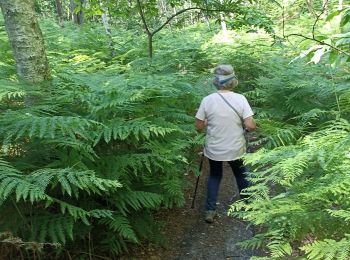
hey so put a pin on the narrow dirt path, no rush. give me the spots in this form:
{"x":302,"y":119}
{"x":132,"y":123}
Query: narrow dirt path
{"x":191,"y":238}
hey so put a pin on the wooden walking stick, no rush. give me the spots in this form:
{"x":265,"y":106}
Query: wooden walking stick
{"x":200,"y":171}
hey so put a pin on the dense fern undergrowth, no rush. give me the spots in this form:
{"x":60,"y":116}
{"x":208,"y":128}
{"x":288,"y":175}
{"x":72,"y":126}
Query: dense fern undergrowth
{"x":300,"y":177}
{"x":89,"y":156}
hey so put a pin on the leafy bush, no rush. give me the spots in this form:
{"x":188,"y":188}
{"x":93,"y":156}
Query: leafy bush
{"x":88,"y":156}
{"x":300,"y":179}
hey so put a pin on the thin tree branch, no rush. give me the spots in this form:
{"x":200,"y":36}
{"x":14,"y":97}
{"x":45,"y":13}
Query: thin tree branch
{"x":321,"y":42}
{"x":143,"y":18}
{"x":283,"y":23}
{"x":151,"y":34}
{"x":174,"y":15}
{"x":318,"y":18}
{"x":20,"y":214}
{"x":313,"y":34}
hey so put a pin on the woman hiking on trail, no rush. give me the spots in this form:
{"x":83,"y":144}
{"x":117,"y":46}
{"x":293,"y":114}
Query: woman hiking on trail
{"x":224,"y":113}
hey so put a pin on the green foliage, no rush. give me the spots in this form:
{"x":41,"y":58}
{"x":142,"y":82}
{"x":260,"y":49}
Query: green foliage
{"x":90,"y":155}
{"x":251,"y":19}
{"x":328,"y":249}
{"x":299,"y":179}
{"x":331,"y":44}
{"x":43,"y":190}
{"x":300,"y":191}
{"x":44,"y":7}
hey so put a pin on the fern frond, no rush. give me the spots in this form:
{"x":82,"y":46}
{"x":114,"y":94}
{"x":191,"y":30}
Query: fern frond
{"x":17,"y":125}
{"x":174,"y":194}
{"x":10,"y":91}
{"x":341,"y":213}
{"x":279,"y":249}
{"x":150,"y":161}
{"x":138,"y":128}
{"x":121,"y":225}
{"x":68,"y":178}
{"x":78,"y":213}
{"x":113,"y":243}
{"x":81,"y":147}
{"x":137,"y":200}
{"x":312,"y":116}
{"x":35,"y":187}
{"x":54,"y":228}
{"x":278,"y":134}
{"x":12,"y":181}
{"x":7,"y":169}
{"x":328,"y":249}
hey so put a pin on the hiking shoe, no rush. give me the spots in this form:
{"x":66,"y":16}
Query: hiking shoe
{"x":210,"y":215}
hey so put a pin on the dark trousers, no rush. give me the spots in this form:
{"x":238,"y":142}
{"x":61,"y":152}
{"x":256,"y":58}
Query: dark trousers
{"x":215,"y":178}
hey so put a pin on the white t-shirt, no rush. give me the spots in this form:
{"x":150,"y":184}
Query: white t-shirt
{"x":224,"y":139}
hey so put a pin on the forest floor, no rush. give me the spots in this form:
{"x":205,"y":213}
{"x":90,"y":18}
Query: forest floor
{"x":190,"y":237}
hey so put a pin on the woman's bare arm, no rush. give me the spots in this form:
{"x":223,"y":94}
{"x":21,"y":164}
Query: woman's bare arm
{"x":249,"y":123}
{"x":199,"y":125}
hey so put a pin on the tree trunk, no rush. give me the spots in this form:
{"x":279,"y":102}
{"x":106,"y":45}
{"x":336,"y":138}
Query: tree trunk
{"x":73,"y":14}
{"x":174,"y":9}
{"x":223,"y":23}
{"x":108,"y":30}
{"x":191,"y":14}
{"x":26,"y":39}
{"x":77,"y":17}
{"x":80,"y":14}
{"x":340,"y":5}
{"x":150,"y":45}
{"x":59,"y":12}
{"x":206,"y":17}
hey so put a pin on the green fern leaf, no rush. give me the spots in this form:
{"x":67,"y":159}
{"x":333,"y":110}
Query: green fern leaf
{"x":121,"y":225}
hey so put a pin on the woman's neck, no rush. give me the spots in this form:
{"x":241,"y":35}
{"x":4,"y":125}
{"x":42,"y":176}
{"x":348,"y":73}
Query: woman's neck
{"x":224,"y":91}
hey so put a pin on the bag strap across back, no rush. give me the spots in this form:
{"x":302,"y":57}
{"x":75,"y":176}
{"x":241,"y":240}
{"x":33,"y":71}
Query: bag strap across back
{"x":234,"y":110}
{"x":245,"y":131}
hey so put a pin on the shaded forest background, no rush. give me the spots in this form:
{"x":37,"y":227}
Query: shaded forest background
{"x":97,"y":130}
